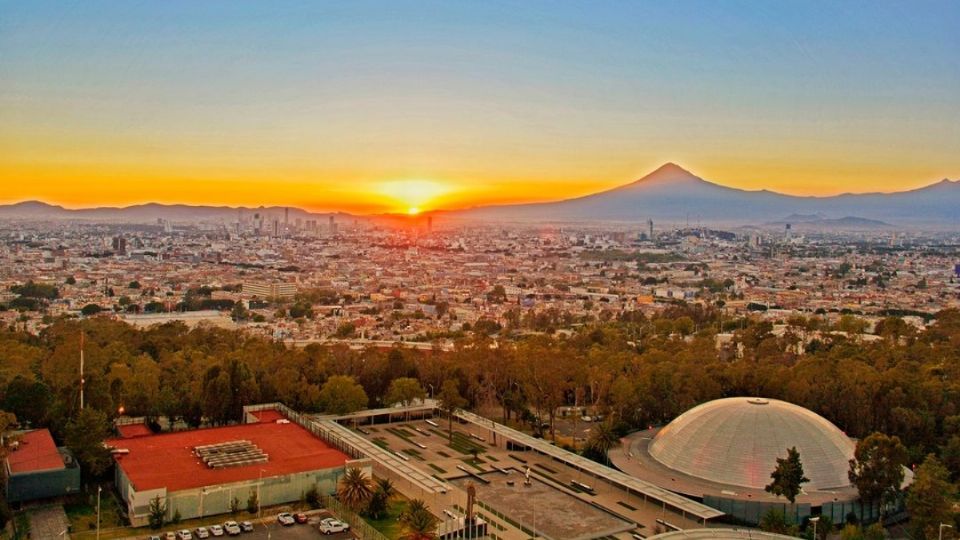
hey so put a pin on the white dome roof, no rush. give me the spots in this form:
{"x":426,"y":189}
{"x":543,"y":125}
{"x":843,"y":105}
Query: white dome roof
{"x":737,"y":441}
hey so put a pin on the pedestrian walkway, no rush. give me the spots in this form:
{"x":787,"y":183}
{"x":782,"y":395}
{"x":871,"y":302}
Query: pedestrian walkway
{"x":49,"y":522}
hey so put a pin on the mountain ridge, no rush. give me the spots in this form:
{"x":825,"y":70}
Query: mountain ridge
{"x":672,"y":192}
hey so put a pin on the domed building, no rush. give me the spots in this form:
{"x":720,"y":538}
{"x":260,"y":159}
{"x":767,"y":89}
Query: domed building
{"x":722,"y":452}
{"x":736,"y":441}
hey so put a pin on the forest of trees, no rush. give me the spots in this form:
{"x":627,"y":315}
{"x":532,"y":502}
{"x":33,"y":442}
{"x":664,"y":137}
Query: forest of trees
{"x":639,"y":371}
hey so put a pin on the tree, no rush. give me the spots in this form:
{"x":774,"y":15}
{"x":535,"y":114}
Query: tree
{"x":787,"y":476}
{"x":341,"y":395}
{"x":775,"y":521}
{"x":312,"y":497}
{"x":877,"y":468}
{"x":90,"y":309}
{"x":930,"y":498}
{"x":253,"y":502}
{"x":84,"y":436}
{"x":405,"y":391}
{"x":354,"y":489}
{"x":234,"y":506}
{"x":157,"y":513}
{"x":417,"y":522}
{"x":450,"y":401}
{"x":602,"y":438}
{"x":383,"y":490}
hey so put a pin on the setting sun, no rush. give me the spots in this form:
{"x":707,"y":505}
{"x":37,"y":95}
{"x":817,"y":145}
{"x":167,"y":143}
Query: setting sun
{"x":414,"y":195}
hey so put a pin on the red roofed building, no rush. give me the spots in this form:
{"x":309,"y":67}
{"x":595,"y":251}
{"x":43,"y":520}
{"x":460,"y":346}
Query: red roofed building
{"x":199,"y":472}
{"x":37,"y":469}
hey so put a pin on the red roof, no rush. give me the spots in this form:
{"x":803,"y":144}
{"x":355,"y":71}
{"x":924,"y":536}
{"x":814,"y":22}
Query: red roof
{"x":133,"y":430}
{"x":167,"y":460}
{"x":36,"y":452}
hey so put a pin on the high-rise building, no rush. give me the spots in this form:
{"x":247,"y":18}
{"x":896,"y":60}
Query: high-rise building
{"x":119,"y":245}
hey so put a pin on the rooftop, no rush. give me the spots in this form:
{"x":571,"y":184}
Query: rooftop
{"x":168,"y":460}
{"x":36,"y":452}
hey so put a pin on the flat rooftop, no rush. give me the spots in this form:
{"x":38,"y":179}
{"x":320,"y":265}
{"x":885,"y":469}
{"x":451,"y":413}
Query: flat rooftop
{"x":36,"y":452}
{"x":167,"y":460}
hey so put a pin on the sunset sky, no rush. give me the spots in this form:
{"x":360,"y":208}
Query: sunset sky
{"x":383,"y":106}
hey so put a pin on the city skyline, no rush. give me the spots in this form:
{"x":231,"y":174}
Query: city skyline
{"x":368,"y":109}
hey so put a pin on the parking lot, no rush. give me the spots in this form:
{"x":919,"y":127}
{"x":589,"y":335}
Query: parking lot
{"x":271,"y":530}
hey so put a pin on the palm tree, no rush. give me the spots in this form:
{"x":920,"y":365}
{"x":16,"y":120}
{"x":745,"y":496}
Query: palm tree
{"x":602,"y":439}
{"x":379,"y":502}
{"x":385,"y":487}
{"x":418,"y":523}
{"x":354,"y":489}
{"x":413,"y":507}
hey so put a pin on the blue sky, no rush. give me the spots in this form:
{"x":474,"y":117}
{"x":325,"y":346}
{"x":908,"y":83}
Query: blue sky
{"x":489,"y":97}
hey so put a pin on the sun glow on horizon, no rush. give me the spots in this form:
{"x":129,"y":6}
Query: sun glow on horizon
{"x":414,"y":196}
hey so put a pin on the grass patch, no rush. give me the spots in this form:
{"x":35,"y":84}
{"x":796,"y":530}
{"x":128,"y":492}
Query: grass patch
{"x":627,"y":506}
{"x":492,"y":458}
{"x":388,"y":525}
{"x":442,"y":453}
{"x":466,"y":445}
{"x":413,"y":453}
{"x":544,"y":467}
{"x":436,"y":468}
{"x":381,"y":442}
{"x":470,"y":462}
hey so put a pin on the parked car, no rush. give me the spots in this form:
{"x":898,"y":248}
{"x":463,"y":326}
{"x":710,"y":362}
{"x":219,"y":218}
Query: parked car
{"x":285,"y":519}
{"x":232,"y":528}
{"x":153,"y":537}
{"x":170,"y":535}
{"x":246,"y":526}
{"x":216,"y":530}
{"x":331,"y":526}
{"x":184,"y":534}
{"x":202,"y":532}
{"x":300,"y":517}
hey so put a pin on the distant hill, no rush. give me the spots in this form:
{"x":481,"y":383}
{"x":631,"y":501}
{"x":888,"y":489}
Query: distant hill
{"x":822,"y":223}
{"x":146,"y":213}
{"x":674,"y":194}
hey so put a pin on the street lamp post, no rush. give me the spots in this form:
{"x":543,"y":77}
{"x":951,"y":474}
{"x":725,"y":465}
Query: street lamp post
{"x":815,"y":520}
{"x":99,"y":489}
{"x":940,"y":531}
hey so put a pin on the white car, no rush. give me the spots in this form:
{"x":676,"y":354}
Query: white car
{"x":285,"y":519}
{"x":216,"y":530}
{"x":247,"y":526}
{"x":331,"y":526}
{"x":232,"y":528}
{"x":170,"y":536}
{"x":202,"y":532}
{"x":184,"y":534}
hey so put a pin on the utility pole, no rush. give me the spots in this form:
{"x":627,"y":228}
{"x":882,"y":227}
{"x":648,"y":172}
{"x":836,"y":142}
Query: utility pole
{"x":81,"y":370}
{"x":99,"y":489}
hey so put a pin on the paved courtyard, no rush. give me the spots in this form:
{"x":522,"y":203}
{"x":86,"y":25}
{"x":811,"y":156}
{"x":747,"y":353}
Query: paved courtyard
{"x":543,"y":509}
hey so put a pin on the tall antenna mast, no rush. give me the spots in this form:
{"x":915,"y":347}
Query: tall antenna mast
{"x":81,"y":370}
